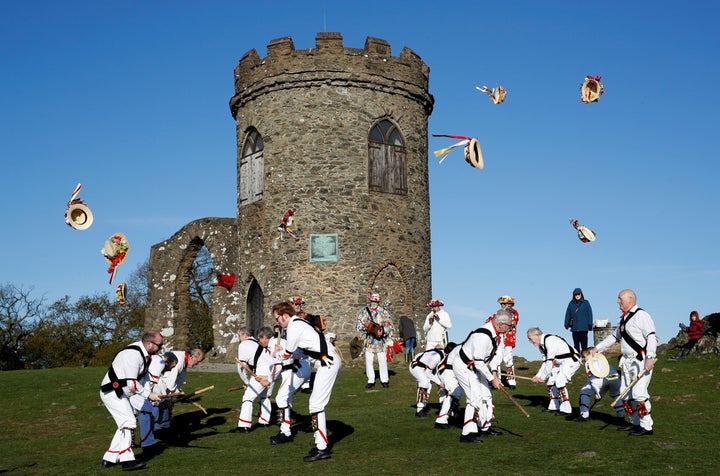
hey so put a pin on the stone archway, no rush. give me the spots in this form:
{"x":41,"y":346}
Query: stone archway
{"x":168,"y":291}
{"x":392,"y":285}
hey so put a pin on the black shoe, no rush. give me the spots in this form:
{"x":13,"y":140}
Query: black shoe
{"x":241,"y":429}
{"x":547,"y":410}
{"x":491,"y":432}
{"x":108,"y":464}
{"x":580,"y":419}
{"x":442,"y":426}
{"x":559,"y":413}
{"x":422,"y":413}
{"x":281,"y":438}
{"x":370,"y":385}
{"x":133,"y":465}
{"x":641,"y":432}
{"x":316,"y":455}
{"x":512,"y":387}
{"x":385,"y":384}
{"x":263,"y":425}
{"x":306,"y":390}
{"x":470,"y":439}
{"x":628,"y":428}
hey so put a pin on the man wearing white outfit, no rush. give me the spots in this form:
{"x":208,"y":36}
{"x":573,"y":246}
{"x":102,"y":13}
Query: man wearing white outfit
{"x":474,"y":368}
{"x":638,"y":346}
{"x":560,"y":362}
{"x":295,"y":372}
{"x":302,"y":335}
{"x":121,"y":382}
{"x":253,"y":353}
{"x":173,"y":381}
{"x":422,"y":368}
{"x":436,"y":325}
{"x":147,"y":410}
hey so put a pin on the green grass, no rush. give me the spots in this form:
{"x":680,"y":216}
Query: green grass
{"x":53,"y":423}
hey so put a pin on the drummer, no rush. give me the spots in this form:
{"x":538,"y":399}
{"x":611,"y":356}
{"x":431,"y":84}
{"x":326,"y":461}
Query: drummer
{"x":603,"y":378}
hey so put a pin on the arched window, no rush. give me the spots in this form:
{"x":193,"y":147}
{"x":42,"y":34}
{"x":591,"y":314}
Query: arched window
{"x":250,"y":174}
{"x":387,"y":164}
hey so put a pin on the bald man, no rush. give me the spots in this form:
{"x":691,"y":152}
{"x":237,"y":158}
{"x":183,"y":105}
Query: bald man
{"x":638,"y":345}
{"x":121,"y":381}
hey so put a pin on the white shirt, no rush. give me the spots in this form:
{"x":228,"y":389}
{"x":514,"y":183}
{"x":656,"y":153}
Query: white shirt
{"x":640,"y":327}
{"x":435,"y":332}
{"x":479,"y":348}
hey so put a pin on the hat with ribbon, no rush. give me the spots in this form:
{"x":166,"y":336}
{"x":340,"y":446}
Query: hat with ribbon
{"x":78,"y":214}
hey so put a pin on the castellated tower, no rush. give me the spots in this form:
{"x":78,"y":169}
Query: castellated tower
{"x":340,"y":136}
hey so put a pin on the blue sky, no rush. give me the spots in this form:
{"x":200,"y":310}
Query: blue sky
{"x":131,"y":99}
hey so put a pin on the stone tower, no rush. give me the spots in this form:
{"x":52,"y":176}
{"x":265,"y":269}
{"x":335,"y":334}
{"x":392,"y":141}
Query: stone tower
{"x":339,"y":135}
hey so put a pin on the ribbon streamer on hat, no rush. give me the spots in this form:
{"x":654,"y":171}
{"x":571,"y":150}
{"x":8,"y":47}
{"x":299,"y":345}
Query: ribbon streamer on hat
{"x":444,"y":152}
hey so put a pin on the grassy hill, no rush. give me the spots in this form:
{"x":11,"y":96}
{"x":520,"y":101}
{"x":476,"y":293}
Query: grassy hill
{"x":53,"y":423}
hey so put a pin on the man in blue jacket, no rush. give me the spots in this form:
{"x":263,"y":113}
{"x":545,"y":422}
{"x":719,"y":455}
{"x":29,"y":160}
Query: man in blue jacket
{"x":579,"y":319}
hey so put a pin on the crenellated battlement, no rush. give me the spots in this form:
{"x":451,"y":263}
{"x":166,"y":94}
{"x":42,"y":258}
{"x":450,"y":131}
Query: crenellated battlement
{"x":330,"y":63}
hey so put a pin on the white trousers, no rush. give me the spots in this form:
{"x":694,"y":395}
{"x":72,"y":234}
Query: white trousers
{"x":479,"y":398}
{"x":120,"y":449}
{"x":291,"y":382}
{"x":325,"y":377}
{"x":638,"y":396}
{"x":452,"y":391}
{"x":382,"y":366}
{"x":253,"y":391}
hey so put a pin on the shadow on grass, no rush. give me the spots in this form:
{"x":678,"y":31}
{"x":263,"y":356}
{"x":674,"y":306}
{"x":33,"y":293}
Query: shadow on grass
{"x":192,"y":426}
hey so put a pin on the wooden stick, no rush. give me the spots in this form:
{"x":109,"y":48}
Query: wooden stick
{"x":170,"y":395}
{"x":245,"y":366}
{"x":627,"y":389}
{"x":517,"y":376}
{"x":514,"y":401}
{"x":200,"y":407}
{"x":235,"y":389}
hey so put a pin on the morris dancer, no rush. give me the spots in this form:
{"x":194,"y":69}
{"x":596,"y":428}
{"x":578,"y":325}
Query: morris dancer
{"x":478,"y":355}
{"x":598,"y":386}
{"x":560,"y":362}
{"x":436,"y":325}
{"x":509,"y":339}
{"x":422,"y":368}
{"x":147,"y":410}
{"x":373,"y":344}
{"x":638,"y":345}
{"x":121,"y":382}
{"x":253,"y":352}
{"x":302,"y":336}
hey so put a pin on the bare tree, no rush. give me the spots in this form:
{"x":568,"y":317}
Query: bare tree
{"x":19,"y":316}
{"x":201,"y":289}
